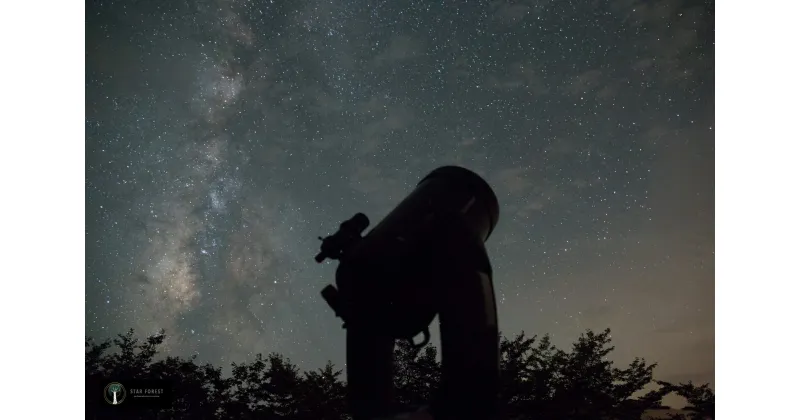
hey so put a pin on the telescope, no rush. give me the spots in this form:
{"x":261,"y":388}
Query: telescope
{"x":425,"y":258}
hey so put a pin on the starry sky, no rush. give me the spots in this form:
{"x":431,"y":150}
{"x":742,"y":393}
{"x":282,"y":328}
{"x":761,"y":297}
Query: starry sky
{"x":224,"y":136}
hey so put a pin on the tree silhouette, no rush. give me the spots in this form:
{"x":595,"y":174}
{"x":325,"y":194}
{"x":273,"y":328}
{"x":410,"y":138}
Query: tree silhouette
{"x":322,"y":395}
{"x":537,"y":381}
{"x":536,"y":377}
{"x":199,"y":390}
{"x":417,"y":374}
{"x":700,"y":400}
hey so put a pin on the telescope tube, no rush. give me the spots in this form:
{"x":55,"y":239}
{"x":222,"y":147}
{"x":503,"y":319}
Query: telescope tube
{"x":425,"y":257}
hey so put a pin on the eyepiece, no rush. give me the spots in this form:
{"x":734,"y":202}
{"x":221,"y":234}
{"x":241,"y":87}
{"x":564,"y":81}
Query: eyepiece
{"x":357,"y":224}
{"x":349,"y":234}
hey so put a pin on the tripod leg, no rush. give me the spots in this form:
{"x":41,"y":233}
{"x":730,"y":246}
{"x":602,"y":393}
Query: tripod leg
{"x":370,"y":370}
{"x":469,"y":331}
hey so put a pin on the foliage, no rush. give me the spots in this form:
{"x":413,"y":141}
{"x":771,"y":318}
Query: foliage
{"x":537,"y":381}
{"x":700,"y":399}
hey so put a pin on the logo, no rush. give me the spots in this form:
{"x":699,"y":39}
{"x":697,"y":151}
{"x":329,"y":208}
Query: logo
{"x":114,"y":393}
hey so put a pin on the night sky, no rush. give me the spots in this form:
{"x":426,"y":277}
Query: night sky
{"x":224,"y":136}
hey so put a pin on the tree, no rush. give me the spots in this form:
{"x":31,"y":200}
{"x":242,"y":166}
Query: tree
{"x":322,"y":396}
{"x":199,"y":389}
{"x":417,"y":373}
{"x":537,"y":378}
{"x":537,"y":381}
{"x":700,"y":399}
{"x":266,"y":388}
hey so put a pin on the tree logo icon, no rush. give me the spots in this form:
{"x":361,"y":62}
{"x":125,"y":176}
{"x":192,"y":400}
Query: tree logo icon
{"x":114,"y":393}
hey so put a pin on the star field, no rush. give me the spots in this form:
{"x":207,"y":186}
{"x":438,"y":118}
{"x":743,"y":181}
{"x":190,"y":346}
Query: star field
{"x":224,"y":136}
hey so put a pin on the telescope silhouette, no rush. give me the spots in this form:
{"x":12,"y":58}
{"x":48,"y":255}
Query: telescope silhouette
{"x":426,"y":257}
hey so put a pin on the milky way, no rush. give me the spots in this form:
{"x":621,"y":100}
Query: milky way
{"x":223,"y":137}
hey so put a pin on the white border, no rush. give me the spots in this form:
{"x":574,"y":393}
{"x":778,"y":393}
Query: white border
{"x":42,"y":209}
{"x":757,"y":161}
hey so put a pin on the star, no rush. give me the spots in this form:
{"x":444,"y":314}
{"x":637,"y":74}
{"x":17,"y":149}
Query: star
{"x":224,"y":140}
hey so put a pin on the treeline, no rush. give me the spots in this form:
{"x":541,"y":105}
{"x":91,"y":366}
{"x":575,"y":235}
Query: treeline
{"x":538,"y":381}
